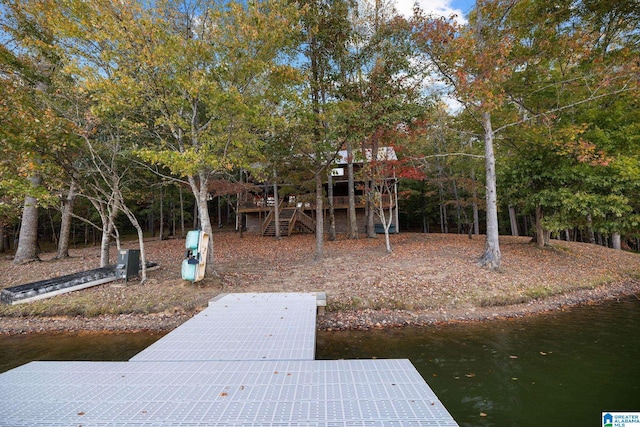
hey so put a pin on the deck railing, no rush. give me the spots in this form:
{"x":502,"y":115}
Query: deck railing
{"x":291,"y":202}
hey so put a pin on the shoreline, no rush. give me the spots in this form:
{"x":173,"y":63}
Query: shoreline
{"x":330,"y":321}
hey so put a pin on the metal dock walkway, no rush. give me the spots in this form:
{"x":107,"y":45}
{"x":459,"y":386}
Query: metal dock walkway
{"x":252,"y":326}
{"x":186,"y":379}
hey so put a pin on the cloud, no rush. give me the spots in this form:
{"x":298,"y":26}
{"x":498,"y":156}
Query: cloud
{"x":430,"y":7}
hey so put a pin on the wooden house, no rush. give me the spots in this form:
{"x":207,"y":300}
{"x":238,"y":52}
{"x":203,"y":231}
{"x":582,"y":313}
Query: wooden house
{"x":297,"y":212}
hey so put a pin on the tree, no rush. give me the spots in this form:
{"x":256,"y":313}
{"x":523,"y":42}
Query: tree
{"x":512,"y":53}
{"x":194,"y":82}
{"x":381,"y":89}
{"x":325,"y":34}
{"x":31,"y":129}
{"x":383,"y":179}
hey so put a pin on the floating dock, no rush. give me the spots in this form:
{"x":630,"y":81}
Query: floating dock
{"x":248,"y":359}
{"x":250,"y":326}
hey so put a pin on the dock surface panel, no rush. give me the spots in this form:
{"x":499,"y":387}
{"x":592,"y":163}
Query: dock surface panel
{"x":270,"y":393}
{"x":246,"y":360}
{"x":251,"y":326}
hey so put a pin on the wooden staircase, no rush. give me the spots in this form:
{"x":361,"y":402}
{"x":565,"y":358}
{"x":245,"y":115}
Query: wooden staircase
{"x":291,"y":220}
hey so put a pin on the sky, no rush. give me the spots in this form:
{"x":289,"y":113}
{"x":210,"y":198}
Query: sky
{"x":437,"y":7}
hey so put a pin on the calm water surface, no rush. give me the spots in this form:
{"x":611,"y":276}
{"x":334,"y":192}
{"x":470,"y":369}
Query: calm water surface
{"x":554,"y":369}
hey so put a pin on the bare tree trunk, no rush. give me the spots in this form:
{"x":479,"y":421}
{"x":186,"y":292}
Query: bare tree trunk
{"x":474,"y":204}
{"x":616,"y":241}
{"x":276,"y":207}
{"x":542,"y":235}
{"x":201,"y":192}
{"x":181,"y":212}
{"x":423,"y":206}
{"x":107,"y":227}
{"x":513,"y":220}
{"x":444,"y":221}
{"x":353,"y":219}
{"x":332,"y":216}
{"x":65,"y":223}
{"x":371,"y":226}
{"x":161,"y":232}
{"x":539,"y":230}
{"x":27,"y":250}
{"x":492,"y":257}
{"x":592,"y":236}
{"x":396,"y":217}
{"x":319,"y":216}
{"x":134,"y":221}
{"x":107,"y":216}
{"x":172,"y":213}
{"x":444,"y":227}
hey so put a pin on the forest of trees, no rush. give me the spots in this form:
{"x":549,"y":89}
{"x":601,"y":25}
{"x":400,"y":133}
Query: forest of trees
{"x":128,"y":116}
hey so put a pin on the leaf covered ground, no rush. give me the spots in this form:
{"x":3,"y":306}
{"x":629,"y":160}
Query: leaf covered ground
{"x":428,"y":278}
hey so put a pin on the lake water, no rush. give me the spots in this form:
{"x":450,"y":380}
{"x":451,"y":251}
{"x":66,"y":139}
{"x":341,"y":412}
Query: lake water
{"x":563,"y":368}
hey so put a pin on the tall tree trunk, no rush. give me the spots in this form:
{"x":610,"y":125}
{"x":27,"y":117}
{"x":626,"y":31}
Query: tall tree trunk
{"x":200,"y":190}
{"x":65,"y":222}
{"x":460,"y":212}
{"x":172,"y":213}
{"x":616,"y":241}
{"x":27,"y":250}
{"x":371,"y":226}
{"x":444,"y":228}
{"x":182,"y":232}
{"x":396,"y":216}
{"x":370,"y":209}
{"x":540,"y":231}
{"x":107,"y":227}
{"x":492,"y":257}
{"x":591,"y":234}
{"x":513,"y":220}
{"x":474,"y":204}
{"x":2,"y":237}
{"x":319,"y":216}
{"x":444,"y":220}
{"x":107,"y":214}
{"x":276,"y":207}
{"x":423,"y":205}
{"x":136,"y":224}
{"x":351,"y":188}
{"x":332,"y":216}
{"x":161,"y":227}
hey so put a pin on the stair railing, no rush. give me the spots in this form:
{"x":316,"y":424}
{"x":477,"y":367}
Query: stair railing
{"x":305,"y":220}
{"x":270,"y":217}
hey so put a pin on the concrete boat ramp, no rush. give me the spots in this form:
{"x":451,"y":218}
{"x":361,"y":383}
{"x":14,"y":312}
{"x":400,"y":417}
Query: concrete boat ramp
{"x":248,"y":359}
